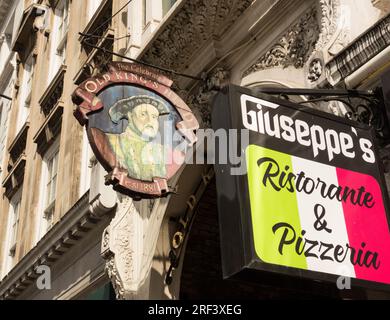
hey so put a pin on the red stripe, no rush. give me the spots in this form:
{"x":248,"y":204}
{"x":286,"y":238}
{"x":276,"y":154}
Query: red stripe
{"x":367,"y":225}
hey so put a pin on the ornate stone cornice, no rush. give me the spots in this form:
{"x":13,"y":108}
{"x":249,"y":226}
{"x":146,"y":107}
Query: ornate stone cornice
{"x":330,"y":13}
{"x":193,"y":26}
{"x":299,"y":47}
{"x":294,"y":48}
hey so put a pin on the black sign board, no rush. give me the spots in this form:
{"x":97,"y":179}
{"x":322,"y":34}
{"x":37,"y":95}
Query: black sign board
{"x":307,"y":197}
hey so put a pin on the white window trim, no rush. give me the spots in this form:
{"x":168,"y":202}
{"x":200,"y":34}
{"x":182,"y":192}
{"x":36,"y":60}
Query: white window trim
{"x":57,"y":45}
{"x":8,"y":259}
{"x":87,"y":159}
{"x":40,"y":224}
{"x":92,"y":7}
{"x":5,"y":119}
{"x":25,"y":94}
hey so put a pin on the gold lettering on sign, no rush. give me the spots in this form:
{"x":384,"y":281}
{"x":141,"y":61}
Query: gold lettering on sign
{"x":100,"y":83}
{"x":134,"y":77}
{"x":91,"y":86}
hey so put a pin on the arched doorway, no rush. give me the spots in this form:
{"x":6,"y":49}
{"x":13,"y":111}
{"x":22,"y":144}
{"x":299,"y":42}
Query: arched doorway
{"x":201,"y":276}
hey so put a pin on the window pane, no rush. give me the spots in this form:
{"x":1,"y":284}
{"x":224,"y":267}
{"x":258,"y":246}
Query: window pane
{"x":49,"y":215}
{"x":53,"y":190}
{"x":51,"y":182}
{"x":48,"y":194}
{"x":167,"y":5}
{"x":15,"y":223}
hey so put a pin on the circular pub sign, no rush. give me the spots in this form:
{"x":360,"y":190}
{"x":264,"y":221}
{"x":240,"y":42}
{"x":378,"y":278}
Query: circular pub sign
{"x":138,"y":128}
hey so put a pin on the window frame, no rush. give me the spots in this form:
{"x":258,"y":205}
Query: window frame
{"x":47,"y":210}
{"x":88,"y":160}
{"x":59,"y":39}
{"x":25,"y":92}
{"x":15,"y":205}
{"x":11,"y":240}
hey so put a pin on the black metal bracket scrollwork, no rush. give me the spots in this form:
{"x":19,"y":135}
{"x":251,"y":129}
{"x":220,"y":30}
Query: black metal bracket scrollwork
{"x":367,"y":107}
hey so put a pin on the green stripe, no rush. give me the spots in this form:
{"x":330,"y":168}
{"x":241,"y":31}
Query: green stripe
{"x":270,"y":207}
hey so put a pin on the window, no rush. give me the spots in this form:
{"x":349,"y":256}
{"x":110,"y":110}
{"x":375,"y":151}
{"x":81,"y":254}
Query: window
{"x":4,"y":112}
{"x":14,"y":226}
{"x":93,"y":5}
{"x":12,"y":233}
{"x":5,"y":48}
{"x":153,"y":12}
{"x":63,"y":14}
{"x":59,"y":38}
{"x":87,"y":160}
{"x":25,"y":92}
{"x":144,"y":17}
{"x":48,"y":189}
{"x":167,"y":5}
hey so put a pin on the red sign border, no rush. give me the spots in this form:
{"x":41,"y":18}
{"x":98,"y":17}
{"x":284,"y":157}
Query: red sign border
{"x":87,"y":101}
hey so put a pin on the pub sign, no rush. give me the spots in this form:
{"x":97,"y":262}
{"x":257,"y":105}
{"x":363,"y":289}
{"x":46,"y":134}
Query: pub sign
{"x":131,"y":115}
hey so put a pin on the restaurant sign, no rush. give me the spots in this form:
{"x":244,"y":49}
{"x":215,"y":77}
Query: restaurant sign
{"x":131,"y":116}
{"x":312,"y":201}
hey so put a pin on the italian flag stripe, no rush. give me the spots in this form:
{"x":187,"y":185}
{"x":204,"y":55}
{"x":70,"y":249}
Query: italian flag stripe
{"x":367,"y":226}
{"x":343,"y":224}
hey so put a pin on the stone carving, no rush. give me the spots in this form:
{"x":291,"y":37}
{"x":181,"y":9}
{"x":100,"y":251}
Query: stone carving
{"x":200,"y":101}
{"x":299,"y":45}
{"x":112,"y":273}
{"x":329,"y":21}
{"x":117,"y":246}
{"x":197,"y":22}
{"x":128,"y":245}
{"x":315,"y":70}
{"x":334,"y":37}
{"x":294,"y":48}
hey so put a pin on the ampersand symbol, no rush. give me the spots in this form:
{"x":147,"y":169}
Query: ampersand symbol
{"x":320,"y":223}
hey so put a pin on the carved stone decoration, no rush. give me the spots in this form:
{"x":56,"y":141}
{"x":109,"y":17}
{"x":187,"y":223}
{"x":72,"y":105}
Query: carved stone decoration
{"x":315,"y":70}
{"x":294,"y":48}
{"x":200,"y":102}
{"x":329,"y":21}
{"x":309,"y":43}
{"x":128,"y":246}
{"x":118,"y":246}
{"x":334,"y":37}
{"x":191,"y":28}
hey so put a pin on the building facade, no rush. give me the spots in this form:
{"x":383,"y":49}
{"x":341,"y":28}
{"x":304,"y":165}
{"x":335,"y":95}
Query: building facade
{"x":55,"y":209}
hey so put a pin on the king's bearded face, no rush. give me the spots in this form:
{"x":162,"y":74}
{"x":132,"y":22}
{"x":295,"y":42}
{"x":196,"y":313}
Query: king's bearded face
{"x":145,"y":119}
